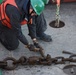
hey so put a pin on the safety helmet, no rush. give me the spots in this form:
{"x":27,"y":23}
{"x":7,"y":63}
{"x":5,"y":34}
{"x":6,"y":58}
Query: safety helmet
{"x":45,"y":1}
{"x":38,"y":6}
{"x":1,"y":1}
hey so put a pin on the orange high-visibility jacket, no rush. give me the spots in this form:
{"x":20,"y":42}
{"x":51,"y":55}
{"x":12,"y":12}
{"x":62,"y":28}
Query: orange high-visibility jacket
{"x":3,"y":16}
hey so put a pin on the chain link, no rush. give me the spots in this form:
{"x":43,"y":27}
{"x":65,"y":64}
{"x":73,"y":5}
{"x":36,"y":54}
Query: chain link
{"x":35,"y":60}
{"x":73,"y":59}
{"x":7,"y":67}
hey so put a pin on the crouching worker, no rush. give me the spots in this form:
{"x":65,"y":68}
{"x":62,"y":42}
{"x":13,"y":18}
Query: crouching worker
{"x":13,"y":14}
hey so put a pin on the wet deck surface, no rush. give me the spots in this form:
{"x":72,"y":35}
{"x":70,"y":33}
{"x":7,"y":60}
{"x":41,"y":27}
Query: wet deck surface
{"x":63,"y":39}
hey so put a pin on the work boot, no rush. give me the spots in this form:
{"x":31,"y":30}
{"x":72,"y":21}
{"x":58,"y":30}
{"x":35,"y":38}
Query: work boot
{"x":44,"y":37}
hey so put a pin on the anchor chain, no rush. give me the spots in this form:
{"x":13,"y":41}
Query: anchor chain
{"x":35,"y":60}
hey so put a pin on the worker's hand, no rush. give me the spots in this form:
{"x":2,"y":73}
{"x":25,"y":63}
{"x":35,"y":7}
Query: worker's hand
{"x":36,"y":44}
{"x":31,"y":47}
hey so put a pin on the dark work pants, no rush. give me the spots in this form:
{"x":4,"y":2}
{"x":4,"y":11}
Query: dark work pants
{"x":39,"y":25}
{"x":9,"y":39}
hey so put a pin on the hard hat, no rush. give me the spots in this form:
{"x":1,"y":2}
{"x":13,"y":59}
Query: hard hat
{"x":1,"y":1}
{"x":45,"y":1}
{"x":38,"y":6}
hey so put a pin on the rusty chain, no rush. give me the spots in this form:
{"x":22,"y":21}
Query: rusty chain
{"x":34,"y":60}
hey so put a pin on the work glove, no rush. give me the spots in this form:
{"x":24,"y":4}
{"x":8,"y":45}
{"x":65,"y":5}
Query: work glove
{"x":41,"y":50}
{"x":31,"y":47}
{"x":37,"y":45}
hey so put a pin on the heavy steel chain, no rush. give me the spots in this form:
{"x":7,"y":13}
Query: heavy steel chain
{"x":7,"y":66}
{"x":34,"y":60}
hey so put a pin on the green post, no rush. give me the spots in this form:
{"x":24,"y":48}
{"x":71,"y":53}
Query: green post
{"x":1,"y":1}
{"x":0,"y":72}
